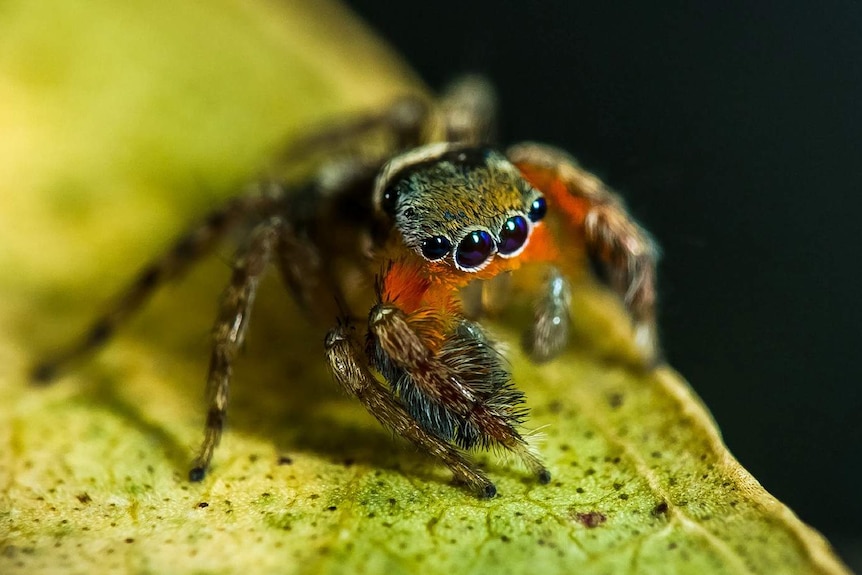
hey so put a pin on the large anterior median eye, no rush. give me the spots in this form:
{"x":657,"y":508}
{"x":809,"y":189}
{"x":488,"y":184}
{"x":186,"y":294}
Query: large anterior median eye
{"x":474,"y":249}
{"x":513,"y":235}
{"x":436,"y":247}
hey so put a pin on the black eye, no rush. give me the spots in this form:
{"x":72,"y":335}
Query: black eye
{"x":475,"y":249}
{"x":436,"y":247}
{"x":538,"y":209}
{"x":513,"y":235}
{"x":389,"y":201}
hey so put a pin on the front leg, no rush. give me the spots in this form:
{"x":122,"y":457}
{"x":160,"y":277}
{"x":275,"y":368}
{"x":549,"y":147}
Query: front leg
{"x":622,"y":251}
{"x":451,"y":380}
{"x":350,"y":369}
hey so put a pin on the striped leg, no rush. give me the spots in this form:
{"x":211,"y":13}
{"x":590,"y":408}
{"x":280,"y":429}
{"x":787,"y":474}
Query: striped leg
{"x":351,"y":371}
{"x":622,"y":252}
{"x":462,"y":393}
{"x":229,"y":333}
{"x":190,"y":248}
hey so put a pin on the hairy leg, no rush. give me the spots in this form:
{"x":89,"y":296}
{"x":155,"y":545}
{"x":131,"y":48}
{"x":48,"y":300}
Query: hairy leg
{"x":469,"y":111}
{"x":229,"y":333}
{"x":402,"y":124}
{"x":622,"y":251}
{"x":185,"y":252}
{"x":460,"y":392}
{"x":350,"y":370}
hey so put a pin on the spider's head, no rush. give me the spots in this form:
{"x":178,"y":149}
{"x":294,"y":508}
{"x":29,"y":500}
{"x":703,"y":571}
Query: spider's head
{"x":458,"y":204}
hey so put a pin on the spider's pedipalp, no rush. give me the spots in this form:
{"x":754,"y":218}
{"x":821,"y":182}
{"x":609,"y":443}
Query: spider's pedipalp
{"x":460,"y":392}
{"x":349,"y":368}
{"x":229,"y":333}
{"x":550,"y":330}
{"x":185,"y":252}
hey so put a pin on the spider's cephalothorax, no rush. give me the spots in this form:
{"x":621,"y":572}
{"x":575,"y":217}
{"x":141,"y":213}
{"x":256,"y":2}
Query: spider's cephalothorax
{"x":394,"y":239}
{"x":460,"y":204}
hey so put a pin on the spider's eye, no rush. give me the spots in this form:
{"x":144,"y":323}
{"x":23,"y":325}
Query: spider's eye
{"x":435,"y":247}
{"x":513,"y":235}
{"x":389,"y":201}
{"x":475,"y":249}
{"x":538,"y":209}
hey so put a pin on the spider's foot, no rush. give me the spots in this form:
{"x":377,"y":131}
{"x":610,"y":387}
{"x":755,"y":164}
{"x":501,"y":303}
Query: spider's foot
{"x":488,"y":491}
{"x":197,"y":474}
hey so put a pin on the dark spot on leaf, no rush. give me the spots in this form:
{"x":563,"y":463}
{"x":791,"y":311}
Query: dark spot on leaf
{"x":624,"y":496}
{"x":555,"y":407}
{"x":617,"y":486}
{"x":590,"y":471}
{"x":284,"y":460}
{"x":130,"y":540}
{"x":591,"y":519}
{"x":579,"y":490}
{"x":331,"y":508}
{"x":203,"y":504}
{"x":656,"y":454}
{"x":615,"y":400}
{"x":83,"y":497}
{"x":660,"y":509}
{"x":391,"y":501}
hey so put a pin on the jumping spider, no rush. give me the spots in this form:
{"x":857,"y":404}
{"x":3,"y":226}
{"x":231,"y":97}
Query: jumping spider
{"x":401,"y":234}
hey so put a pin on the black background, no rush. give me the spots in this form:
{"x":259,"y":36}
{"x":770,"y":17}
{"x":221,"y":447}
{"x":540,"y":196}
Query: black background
{"x":733,"y":130}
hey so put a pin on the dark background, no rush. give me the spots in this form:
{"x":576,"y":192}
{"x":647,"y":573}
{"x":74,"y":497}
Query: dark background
{"x":733,"y":130}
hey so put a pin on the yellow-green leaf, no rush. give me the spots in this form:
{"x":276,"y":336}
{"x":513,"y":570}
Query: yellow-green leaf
{"x":122,"y":121}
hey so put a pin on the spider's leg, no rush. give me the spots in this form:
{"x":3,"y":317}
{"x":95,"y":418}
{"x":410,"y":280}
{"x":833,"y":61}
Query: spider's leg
{"x":403,"y":123}
{"x":461,"y":392}
{"x":351,"y":371}
{"x":469,"y":111}
{"x":229,"y":332}
{"x":623,"y":252}
{"x":550,"y":330}
{"x":186,"y":251}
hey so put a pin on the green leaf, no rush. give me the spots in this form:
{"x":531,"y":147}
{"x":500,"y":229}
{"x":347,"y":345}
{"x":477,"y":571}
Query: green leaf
{"x":121,"y":123}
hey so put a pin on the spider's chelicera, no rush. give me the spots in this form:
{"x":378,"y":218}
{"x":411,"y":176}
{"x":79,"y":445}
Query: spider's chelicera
{"x":389,"y":241}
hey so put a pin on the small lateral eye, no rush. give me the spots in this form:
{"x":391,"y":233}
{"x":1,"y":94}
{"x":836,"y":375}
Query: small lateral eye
{"x":538,"y":209}
{"x":474,"y":249}
{"x":389,"y":201}
{"x":513,"y":235}
{"x":436,"y":247}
